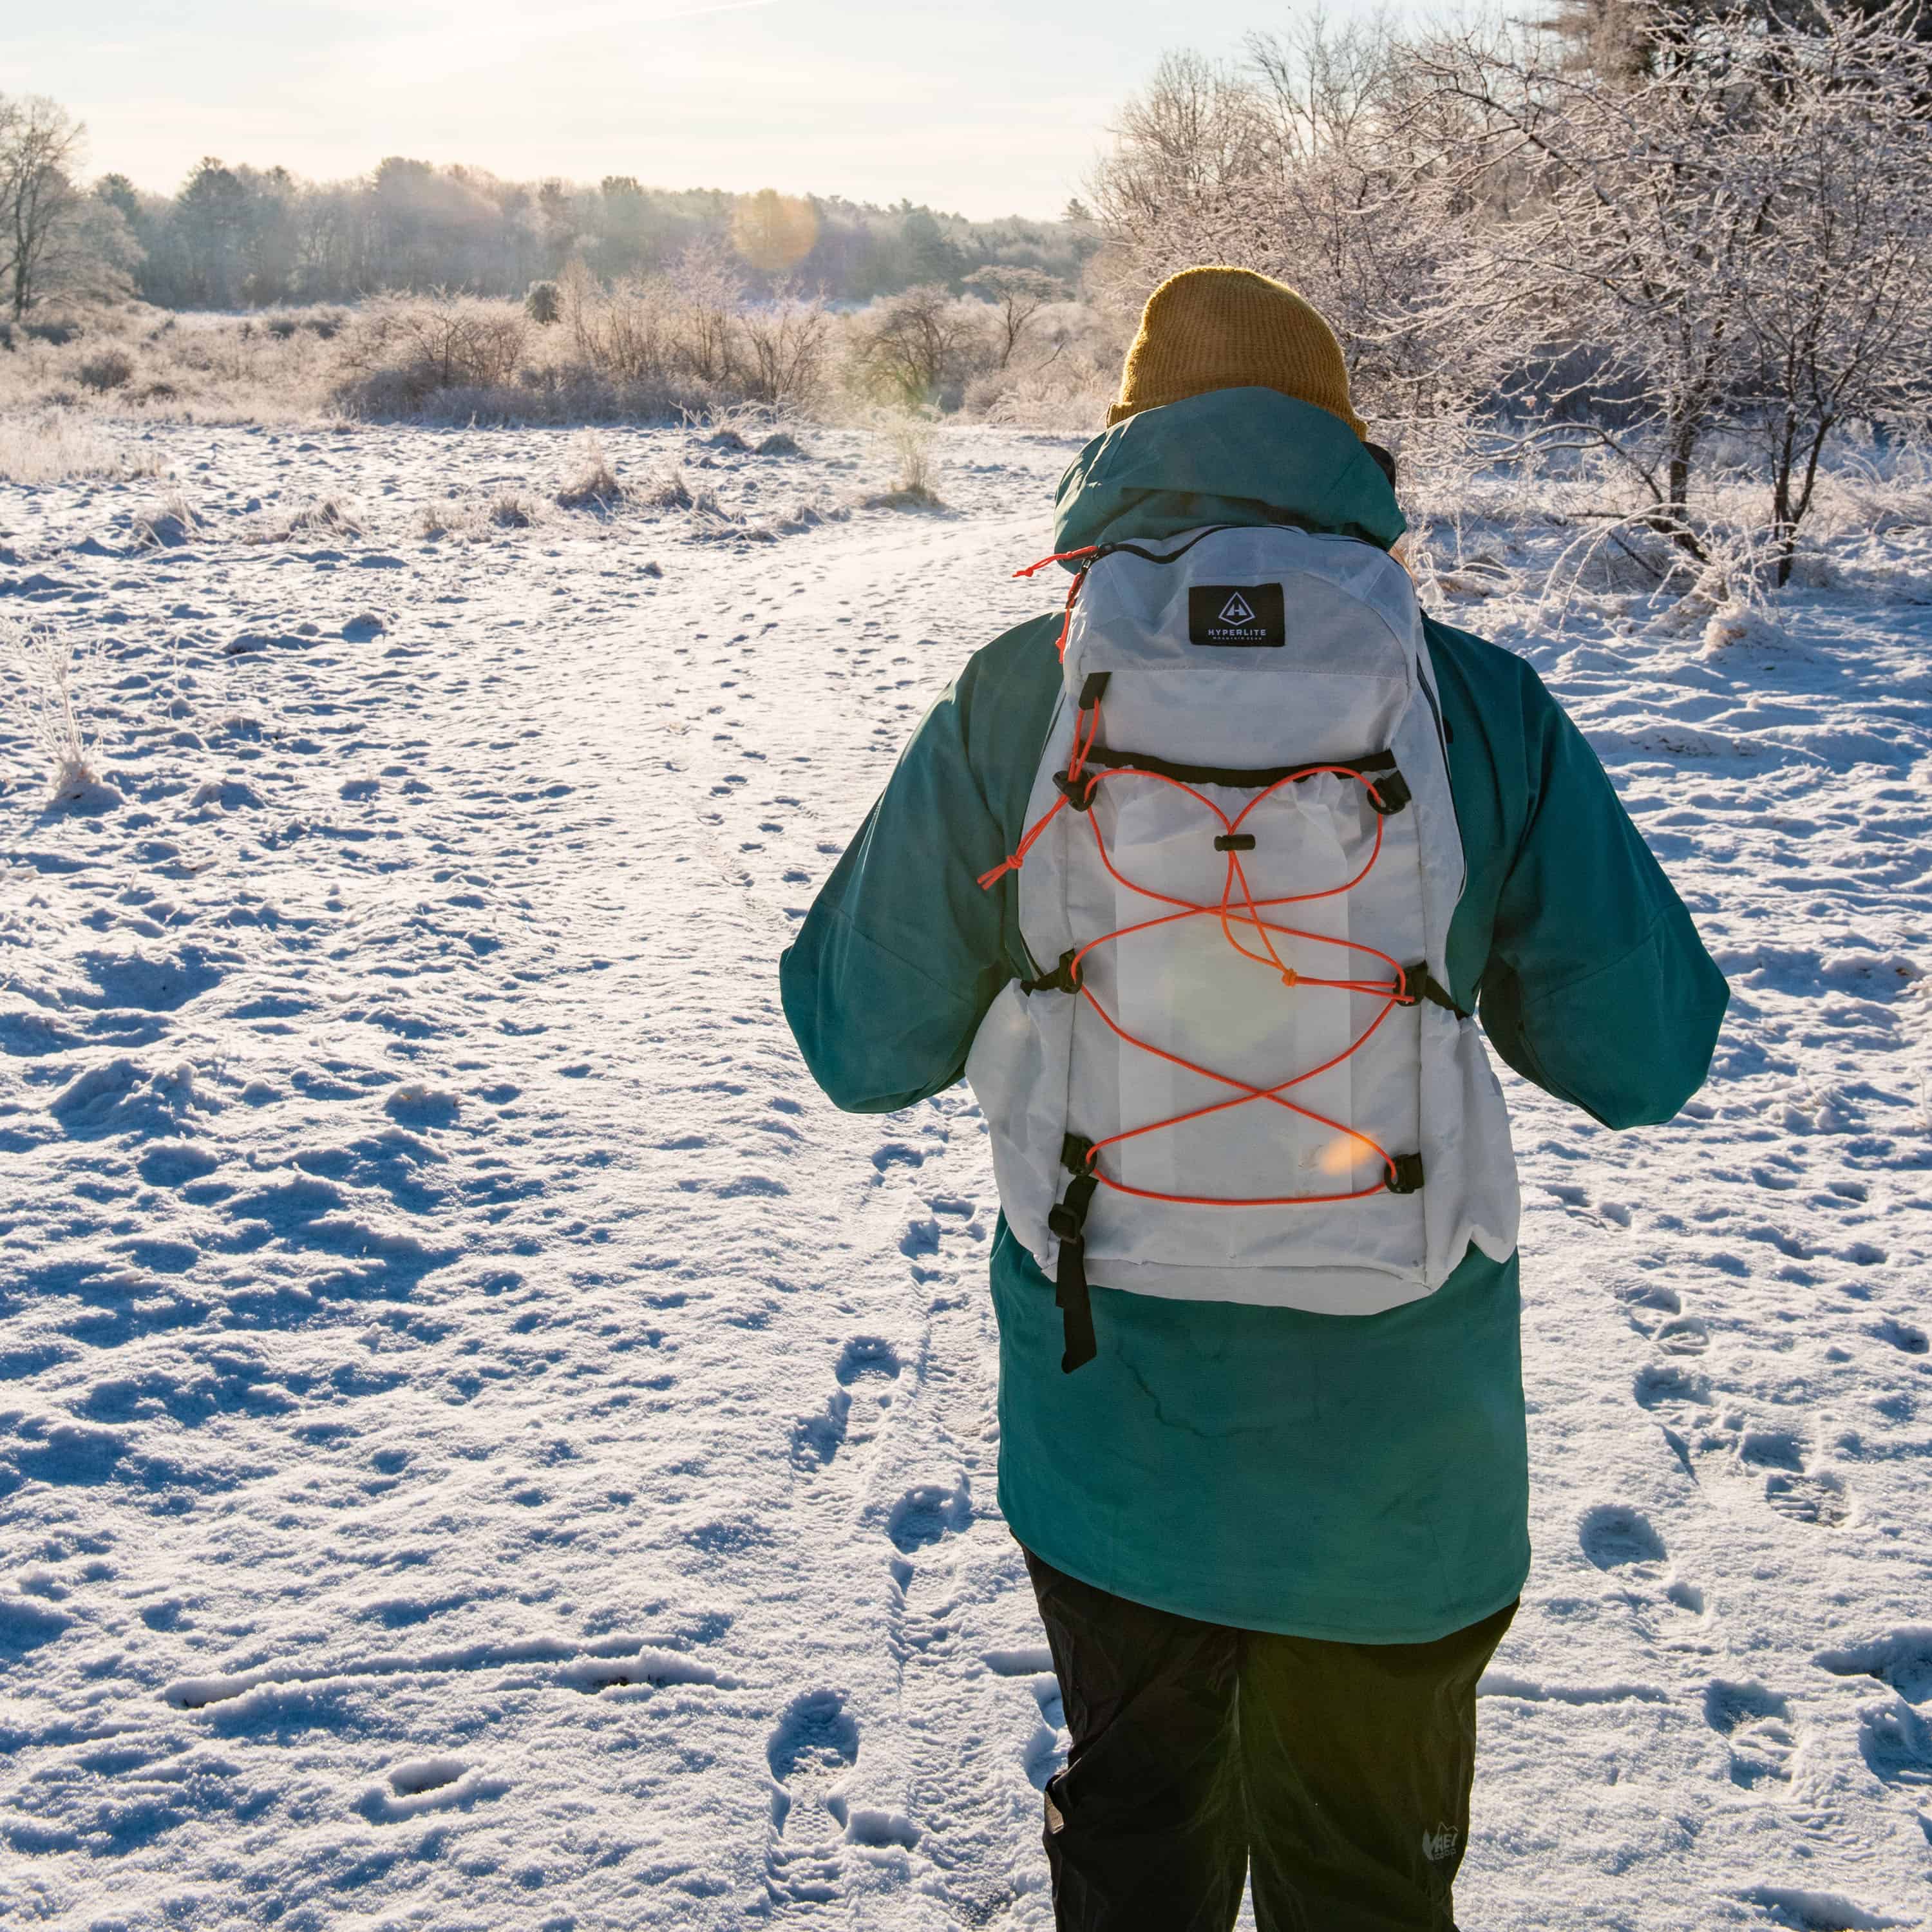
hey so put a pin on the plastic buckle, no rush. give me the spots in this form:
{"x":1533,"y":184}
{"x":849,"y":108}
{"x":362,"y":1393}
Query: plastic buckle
{"x":1389,"y":793}
{"x":1407,"y":1177}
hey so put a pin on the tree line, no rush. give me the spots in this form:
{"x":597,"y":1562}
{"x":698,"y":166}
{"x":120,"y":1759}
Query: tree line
{"x":242,"y":237}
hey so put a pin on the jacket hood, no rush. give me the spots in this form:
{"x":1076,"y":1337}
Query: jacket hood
{"x":1233,"y":456}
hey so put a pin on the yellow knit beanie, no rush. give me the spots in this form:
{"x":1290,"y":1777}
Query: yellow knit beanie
{"x":1230,"y":328}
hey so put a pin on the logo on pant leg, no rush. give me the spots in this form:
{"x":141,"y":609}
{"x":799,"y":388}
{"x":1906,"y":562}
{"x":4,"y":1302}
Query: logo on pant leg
{"x":1440,"y":1844}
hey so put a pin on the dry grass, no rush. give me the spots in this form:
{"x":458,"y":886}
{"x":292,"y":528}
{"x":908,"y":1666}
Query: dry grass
{"x":43,"y":661}
{"x":51,"y":446}
{"x":913,"y":443}
{"x":512,"y":510}
{"x":592,"y":483}
{"x":639,"y":352}
{"x":138,"y":363}
{"x":167,"y":524}
{"x":324,"y":519}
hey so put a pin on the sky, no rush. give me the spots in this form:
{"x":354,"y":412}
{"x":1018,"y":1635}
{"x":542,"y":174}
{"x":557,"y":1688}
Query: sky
{"x":993,"y":110}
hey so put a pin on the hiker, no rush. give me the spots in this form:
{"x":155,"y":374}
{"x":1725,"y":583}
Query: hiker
{"x":1207,"y":872}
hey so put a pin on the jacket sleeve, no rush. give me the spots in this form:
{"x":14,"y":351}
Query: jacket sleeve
{"x":901,"y":952}
{"x":1598,"y":988}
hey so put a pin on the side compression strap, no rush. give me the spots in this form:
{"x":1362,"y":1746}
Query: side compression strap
{"x":1068,"y":1221}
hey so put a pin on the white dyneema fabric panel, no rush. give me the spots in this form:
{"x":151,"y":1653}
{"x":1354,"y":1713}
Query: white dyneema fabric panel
{"x":1327,"y":664}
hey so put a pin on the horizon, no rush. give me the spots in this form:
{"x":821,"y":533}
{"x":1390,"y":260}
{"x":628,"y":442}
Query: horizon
{"x":860,"y":103}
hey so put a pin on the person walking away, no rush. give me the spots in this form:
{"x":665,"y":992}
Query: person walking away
{"x":1200,"y":880}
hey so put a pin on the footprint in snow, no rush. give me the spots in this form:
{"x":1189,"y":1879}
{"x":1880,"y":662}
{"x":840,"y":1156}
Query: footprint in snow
{"x":867,"y":1358}
{"x":427,"y":1784}
{"x":1647,"y":1295}
{"x":1664,"y":1386}
{"x":1755,"y":1724}
{"x":1896,"y":1743}
{"x":1810,"y":1911}
{"x":1687,"y":1335}
{"x":1903,"y":1659}
{"x":867,"y":1365}
{"x":920,"y":1616}
{"x":927,"y":1514}
{"x":1614,"y":1535}
{"x":1044,"y":1753}
{"x":1906,"y":1336}
{"x":1803,"y":1495}
{"x":1819,"y":1498}
{"x":815,"y":1743}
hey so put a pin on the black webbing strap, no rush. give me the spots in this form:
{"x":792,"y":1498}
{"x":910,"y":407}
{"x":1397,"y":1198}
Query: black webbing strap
{"x":1068,"y":1221}
{"x":1392,"y":788}
{"x":1423,"y":984}
{"x":1065,"y":978}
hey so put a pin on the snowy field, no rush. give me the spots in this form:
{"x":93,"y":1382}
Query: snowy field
{"x":483,"y":1445}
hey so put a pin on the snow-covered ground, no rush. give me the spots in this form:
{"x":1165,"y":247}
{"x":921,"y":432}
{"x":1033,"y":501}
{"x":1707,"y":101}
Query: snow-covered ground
{"x":483,"y":1445}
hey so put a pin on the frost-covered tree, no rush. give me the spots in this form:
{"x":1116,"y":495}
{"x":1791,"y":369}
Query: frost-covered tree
{"x":1300,"y":163}
{"x":45,"y":221}
{"x":1018,"y":294}
{"x":1740,"y":233}
{"x":1835,"y":294}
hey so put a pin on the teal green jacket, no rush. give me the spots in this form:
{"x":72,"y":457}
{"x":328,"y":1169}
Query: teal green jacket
{"x":1363,"y":1479}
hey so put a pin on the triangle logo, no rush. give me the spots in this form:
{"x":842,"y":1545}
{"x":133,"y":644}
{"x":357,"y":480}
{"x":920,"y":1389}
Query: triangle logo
{"x":1237,"y":610}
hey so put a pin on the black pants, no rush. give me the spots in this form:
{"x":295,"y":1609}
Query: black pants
{"x":1342,"y":1771}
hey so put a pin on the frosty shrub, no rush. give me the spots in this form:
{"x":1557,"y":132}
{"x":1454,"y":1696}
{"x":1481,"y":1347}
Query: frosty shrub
{"x":786,"y":346}
{"x":1702,"y":223}
{"x":543,"y":304}
{"x":1018,"y":295}
{"x":918,"y":348}
{"x":1065,"y":375}
{"x":668,"y":490}
{"x":1301,"y":163}
{"x":706,"y":293}
{"x":110,"y":370}
{"x":405,"y":349}
{"x":325,"y":519}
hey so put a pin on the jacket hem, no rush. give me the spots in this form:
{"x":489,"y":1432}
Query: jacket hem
{"x":1427,"y":1629}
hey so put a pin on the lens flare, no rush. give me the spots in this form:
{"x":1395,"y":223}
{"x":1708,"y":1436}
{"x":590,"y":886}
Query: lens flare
{"x":1344,"y":1152}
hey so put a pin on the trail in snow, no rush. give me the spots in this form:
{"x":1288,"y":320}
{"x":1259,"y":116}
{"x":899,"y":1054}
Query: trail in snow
{"x":483,"y":1443}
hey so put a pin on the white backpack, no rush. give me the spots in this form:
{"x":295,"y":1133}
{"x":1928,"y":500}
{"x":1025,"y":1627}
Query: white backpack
{"x":1236,"y":1076}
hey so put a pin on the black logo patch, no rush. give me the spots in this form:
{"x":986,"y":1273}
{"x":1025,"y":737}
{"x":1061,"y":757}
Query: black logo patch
{"x":1236,"y":614}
